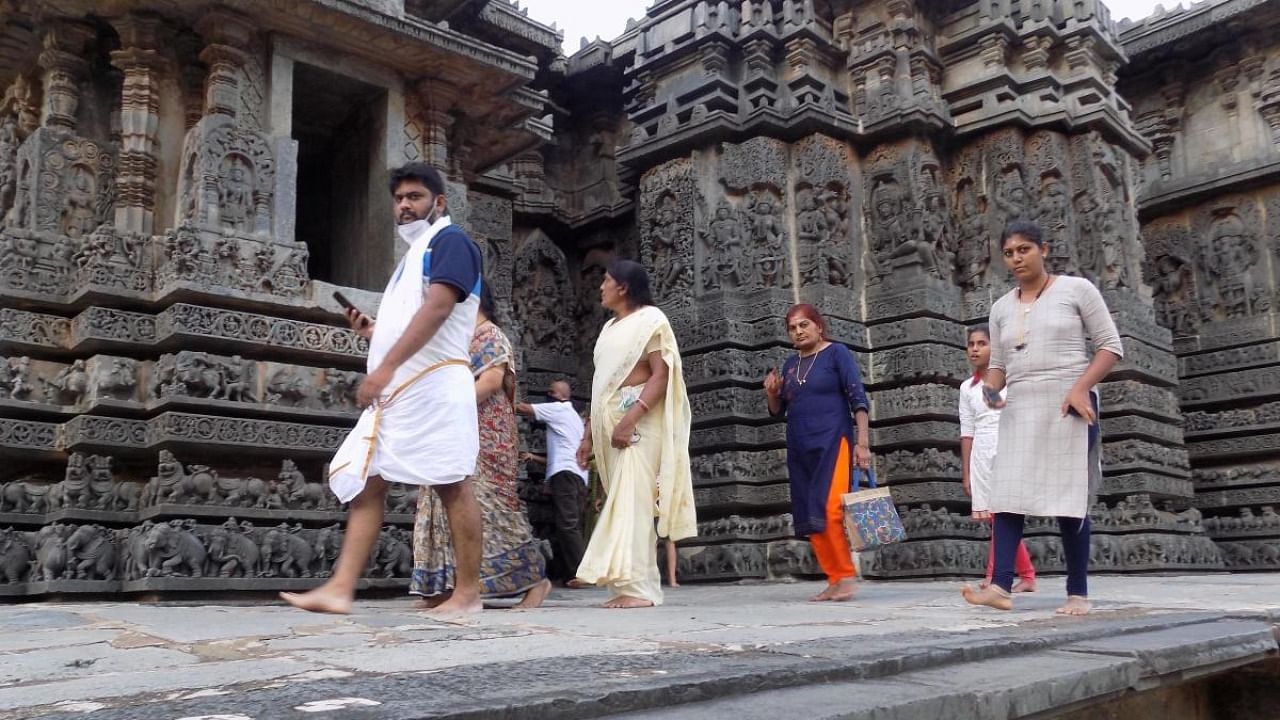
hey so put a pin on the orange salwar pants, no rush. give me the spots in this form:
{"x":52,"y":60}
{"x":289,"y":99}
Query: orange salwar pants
{"x":831,"y":546}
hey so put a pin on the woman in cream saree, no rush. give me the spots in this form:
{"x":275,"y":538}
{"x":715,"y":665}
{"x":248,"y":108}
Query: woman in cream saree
{"x":640,"y":420}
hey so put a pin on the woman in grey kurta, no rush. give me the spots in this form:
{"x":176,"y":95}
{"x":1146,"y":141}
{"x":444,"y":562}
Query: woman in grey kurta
{"x":1040,"y":334}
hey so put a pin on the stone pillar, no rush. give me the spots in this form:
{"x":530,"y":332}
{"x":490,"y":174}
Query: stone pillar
{"x":225,"y":35}
{"x":438,"y":100}
{"x":142,"y":64}
{"x":64,"y":66}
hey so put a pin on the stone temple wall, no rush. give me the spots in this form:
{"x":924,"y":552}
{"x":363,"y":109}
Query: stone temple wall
{"x":1210,"y":210}
{"x":173,"y":380}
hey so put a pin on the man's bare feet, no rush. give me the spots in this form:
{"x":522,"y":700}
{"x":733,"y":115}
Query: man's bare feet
{"x":626,"y":602}
{"x":992,"y":597}
{"x":984,"y":584}
{"x":1076,"y":605}
{"x":458,"y":605}
{"x":843,"y":590}
{"x":1024,"y":585}
{"x":534,"y":596}
{"x":672,"y":582}
{"x":323,"y":599}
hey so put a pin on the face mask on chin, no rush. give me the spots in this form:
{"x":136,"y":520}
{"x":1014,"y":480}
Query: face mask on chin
{"x":413,"y":230}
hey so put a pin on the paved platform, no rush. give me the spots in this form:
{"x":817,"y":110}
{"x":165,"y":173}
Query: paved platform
{"x":902,"y":650}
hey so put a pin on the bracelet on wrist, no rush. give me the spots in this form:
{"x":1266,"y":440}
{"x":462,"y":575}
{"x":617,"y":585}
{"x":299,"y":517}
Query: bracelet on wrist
{"x":643,"y":404}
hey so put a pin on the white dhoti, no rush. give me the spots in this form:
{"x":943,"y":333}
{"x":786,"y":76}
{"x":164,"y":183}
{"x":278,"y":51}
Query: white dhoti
{"x":423,"y":432}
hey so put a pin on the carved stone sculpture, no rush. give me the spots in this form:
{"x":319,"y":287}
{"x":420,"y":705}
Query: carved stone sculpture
{"x":51,"y":552}
{"x":16,"y":557}
{"x":68,"y":386}
{"x":91,"y":553}
{"x":21,"y":496}
{"x":15,"y":378}
{"x":286,"y":553}
{"x":300,"y":494}
{"x":174,"y":549}
{"x":392,"y":554}
{"x":233,"y":551}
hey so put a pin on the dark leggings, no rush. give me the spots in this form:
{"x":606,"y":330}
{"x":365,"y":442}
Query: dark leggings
{"x":1075,"y":540}
{"x":1075,"y":548}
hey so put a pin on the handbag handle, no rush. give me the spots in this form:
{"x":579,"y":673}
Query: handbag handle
{"x":870,"y":473}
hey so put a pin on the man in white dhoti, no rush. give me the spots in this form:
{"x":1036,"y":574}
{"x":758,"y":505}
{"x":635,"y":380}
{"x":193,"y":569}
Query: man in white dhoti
{"x":419,"y":425}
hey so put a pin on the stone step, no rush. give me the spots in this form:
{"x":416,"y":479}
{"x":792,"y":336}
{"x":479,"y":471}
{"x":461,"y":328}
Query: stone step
{"x":1015,"y":671}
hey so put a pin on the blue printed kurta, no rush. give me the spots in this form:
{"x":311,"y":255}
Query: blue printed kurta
{"x":819,"y":415}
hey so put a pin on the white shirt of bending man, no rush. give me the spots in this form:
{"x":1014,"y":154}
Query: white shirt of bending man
{"x":564,"y":435}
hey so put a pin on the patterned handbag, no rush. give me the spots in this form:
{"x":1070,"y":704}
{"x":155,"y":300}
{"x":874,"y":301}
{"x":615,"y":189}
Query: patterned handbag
{"x":870,"y":518}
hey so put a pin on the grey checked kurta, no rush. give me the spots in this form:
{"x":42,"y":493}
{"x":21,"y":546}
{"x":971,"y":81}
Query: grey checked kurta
{"x":1042,"y":458}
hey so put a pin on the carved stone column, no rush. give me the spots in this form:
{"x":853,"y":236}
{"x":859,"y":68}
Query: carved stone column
{"x":64,"y":67}
{"x":143,"y":66}
{"x":226,"y":34}
{"x":438,"y":100}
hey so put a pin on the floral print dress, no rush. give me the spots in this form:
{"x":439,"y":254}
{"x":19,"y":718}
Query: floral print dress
{"x":512,"y":560}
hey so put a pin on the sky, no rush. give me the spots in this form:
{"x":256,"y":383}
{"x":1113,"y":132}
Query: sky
{"x":608,"y":18}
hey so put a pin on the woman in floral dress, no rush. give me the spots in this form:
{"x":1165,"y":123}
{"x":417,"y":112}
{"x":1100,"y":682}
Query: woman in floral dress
{"x":512,"y":562}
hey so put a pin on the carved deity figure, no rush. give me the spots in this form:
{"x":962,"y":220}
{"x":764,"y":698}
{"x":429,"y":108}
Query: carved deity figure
{"x":1012,"y":201}
{"x":1227,"y":260}
{"x":1052,"y":215}
{"x":68,"y":386}
{"x":1115,"y":267}
{"x":811,"y":226}
{"x":890,"y":228}
{"x":835,"y":215}
{"x":8,"y":164}
{"x":1089,"y":224}
{"x":235,"y":195}
{"x":725,"y":249}
{"x":80,"y":216}
{"x":767,"y":246}
{"x":664,"y":234}
{"x":19,"y":378}
{"x":1171,"y":286}
{"x":237,"y":380}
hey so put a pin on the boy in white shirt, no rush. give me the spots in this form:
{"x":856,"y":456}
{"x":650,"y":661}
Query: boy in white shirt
{"x":979,"y":430}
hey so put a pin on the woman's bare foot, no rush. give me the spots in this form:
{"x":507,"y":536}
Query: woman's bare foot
{"x":992,"y":597}
{"x":825,"y":595}
{"x":984,"y":584}
{"x":672,"y":582}
{"x":535,"y":595}
{"x":1076,"y":605}
{"x":626,"y":602}
{"x":843,"y":590}
{"x":576,"y":584}
{"x":1024,"y":585}
{"x":432,"y":601}
{"x":458,"y":605}
{"x":323,"y":599}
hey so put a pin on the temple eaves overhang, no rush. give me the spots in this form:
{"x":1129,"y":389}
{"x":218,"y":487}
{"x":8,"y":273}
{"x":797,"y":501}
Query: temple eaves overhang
{"x":1144,"y":40}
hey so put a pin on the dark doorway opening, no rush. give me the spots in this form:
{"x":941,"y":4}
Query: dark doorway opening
{"x":339,"y":123}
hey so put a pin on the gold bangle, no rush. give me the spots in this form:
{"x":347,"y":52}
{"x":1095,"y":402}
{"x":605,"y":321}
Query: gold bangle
{"x":643,"y":404}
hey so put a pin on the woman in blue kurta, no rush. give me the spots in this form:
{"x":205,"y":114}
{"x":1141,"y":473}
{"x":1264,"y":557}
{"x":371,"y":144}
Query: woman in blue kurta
{"x":820,"y":392}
